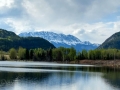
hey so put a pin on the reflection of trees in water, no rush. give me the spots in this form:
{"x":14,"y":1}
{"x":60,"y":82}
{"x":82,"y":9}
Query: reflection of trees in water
{"x":113,"y":78}
{"x":111,"y":75}
{"x":53,"y":78}
{"x":10,"y":77}
{"x":60,"y":78}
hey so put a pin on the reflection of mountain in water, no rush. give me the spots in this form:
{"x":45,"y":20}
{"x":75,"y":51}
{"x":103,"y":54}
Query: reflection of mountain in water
{"x":113,"y":78}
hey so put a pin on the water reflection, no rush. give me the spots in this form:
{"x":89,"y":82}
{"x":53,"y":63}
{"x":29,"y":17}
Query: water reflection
{"x":113,"y":78}
{"x":59,"y":78}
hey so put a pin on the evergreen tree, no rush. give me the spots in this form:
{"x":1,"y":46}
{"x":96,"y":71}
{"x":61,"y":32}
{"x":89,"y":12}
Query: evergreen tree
{"x":27,"y":54}
{"x":31,"y":53}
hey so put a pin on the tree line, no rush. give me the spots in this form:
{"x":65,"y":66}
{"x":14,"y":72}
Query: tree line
{"x":59,"y":54}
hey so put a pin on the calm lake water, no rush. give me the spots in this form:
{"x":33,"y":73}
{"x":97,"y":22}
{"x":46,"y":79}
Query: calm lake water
{"x":52,"y":76}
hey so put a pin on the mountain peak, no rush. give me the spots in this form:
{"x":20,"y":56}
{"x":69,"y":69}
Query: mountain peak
{"x":60,"y":39}
{"x":53,"y":37}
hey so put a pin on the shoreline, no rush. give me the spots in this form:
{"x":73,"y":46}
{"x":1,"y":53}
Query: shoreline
{"x":104,"y":63}
{"x":113,"y":64}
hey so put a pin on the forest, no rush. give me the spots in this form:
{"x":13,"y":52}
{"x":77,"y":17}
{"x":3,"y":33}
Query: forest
{"x":10,"y":39}
{"x":59,"y":54}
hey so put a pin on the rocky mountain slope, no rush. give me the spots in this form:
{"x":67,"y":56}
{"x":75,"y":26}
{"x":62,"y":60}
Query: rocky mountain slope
{"x":61,"y":40}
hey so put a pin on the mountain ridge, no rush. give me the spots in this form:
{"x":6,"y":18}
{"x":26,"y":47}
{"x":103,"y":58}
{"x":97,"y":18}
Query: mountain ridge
{"x":112,"y":42}
{"x":61,"y":40}
{"x":10,"y":40}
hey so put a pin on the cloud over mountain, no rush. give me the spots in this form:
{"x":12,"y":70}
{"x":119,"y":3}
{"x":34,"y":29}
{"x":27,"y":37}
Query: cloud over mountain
{"x":94,"y":20}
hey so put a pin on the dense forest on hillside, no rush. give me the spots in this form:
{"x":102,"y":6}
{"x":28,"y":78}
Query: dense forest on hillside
{"x":10,"y":39}
{"x":112,"y":42}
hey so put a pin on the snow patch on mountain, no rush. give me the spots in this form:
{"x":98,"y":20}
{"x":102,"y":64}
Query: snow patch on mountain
{"x":56,"y":38}
{"x":63,"y":40}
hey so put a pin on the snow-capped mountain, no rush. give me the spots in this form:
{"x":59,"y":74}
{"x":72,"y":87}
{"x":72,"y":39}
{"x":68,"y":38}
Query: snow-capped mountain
{"x":61,"y":40}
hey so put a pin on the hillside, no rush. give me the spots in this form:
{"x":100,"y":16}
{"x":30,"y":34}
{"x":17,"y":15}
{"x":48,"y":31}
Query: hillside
{"x":62,"y":40}
{"x":9,"y":40}
{"x":8,"y":34}
{"x":112,"y":42}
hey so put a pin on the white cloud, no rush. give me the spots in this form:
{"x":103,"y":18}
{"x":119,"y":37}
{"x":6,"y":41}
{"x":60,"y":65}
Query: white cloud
{"x":6,"y":3}
{"x":37,"y":10}
{"x":117,"y":25}
{"x":18,"y":25}
{"x":97,"y":32}
{"x":82,"y":18}
{"x":101,"y":8}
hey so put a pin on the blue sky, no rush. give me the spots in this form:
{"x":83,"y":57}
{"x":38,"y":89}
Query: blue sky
{"x":89,"y":20}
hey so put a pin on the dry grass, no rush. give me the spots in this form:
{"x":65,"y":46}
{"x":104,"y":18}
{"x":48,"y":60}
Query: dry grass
{"x":109,"y":63}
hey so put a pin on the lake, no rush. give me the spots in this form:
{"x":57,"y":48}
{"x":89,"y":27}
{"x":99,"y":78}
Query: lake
{"x":53,"y":76}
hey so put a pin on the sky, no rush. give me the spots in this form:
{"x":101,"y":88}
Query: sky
{"x":88,"y":20}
